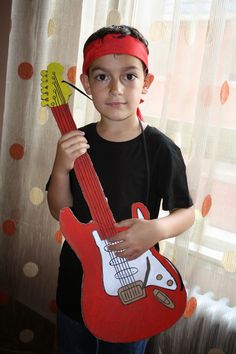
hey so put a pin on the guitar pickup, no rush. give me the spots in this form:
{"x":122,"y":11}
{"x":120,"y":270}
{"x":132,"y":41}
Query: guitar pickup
{"x":132,"y":292}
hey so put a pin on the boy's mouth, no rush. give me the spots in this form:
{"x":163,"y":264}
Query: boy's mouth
{"x":116,"y":104}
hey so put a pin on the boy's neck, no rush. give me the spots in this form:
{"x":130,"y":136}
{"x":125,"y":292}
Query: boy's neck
{"x":119,"y":131}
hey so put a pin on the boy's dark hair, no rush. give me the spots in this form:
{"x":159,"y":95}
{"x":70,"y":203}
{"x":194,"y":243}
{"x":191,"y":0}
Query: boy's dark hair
{"x":123,"y":30}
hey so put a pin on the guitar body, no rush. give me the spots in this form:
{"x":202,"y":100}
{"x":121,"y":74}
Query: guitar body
{"x":122,"y":301}
{"x":129,"y":311}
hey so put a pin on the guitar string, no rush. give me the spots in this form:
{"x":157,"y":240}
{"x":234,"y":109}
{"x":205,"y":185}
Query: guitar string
{"x":92,"y":192}
{"x":59,"y":91}
{"x":65,"y":126}
{"x":111,"y":231}
{"x":118,"y":269}
{"x":106,"y":215}
{"x":124,"y":270}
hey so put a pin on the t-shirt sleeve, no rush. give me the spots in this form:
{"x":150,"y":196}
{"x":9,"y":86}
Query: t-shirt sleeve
{"x":175,"y":192}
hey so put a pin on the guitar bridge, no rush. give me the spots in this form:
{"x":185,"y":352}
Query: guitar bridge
{"x":132,"y":292}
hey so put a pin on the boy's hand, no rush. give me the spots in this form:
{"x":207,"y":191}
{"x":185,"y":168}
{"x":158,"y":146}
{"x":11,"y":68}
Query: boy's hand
{"x":142,"y":234}
{"x":70,"y":146}
{"x":139,"y":237}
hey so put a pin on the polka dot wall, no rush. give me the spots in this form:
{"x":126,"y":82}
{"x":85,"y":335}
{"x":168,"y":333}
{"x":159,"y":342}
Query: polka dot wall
{"x":228,"y":260}
{"x":19,"y":150}
{"x":15,"y":224}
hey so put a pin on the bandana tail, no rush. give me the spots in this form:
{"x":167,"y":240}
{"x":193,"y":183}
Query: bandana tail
{"x":139,"y":114}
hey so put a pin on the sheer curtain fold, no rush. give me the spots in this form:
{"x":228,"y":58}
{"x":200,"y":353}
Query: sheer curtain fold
{"x":192,"y":100}
{"x":39,"y":35}
{"x":207,"y":86}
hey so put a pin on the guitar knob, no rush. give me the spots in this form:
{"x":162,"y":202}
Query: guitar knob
{"x":159,"y":277}
{"x":170,"y":282}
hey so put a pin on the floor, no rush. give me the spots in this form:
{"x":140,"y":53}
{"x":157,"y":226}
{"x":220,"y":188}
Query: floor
{"x":24,"y":331}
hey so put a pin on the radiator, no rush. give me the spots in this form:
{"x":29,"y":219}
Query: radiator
{"x":210,"y":330}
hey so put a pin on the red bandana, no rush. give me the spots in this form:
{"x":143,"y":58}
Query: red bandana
{"x":114,"y":44}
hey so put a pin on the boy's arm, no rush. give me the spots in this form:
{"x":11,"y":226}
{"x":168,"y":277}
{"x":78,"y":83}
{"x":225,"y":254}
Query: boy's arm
{"x":59,"y":194}
{"x":69,"y":148}
{"x":141,"y":235}
{"x":174,"y":224}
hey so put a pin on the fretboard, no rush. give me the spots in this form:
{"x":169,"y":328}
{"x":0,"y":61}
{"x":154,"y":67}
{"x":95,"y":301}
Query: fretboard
{"x":87,"y":178}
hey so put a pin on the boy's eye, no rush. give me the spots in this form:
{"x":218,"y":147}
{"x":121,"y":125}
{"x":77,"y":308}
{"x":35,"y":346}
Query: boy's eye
{"x":129,"y":77}
{"x":101,"y":77}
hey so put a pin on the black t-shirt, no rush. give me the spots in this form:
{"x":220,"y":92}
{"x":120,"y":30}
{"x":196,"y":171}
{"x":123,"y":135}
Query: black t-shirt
{"x":122,"y":169}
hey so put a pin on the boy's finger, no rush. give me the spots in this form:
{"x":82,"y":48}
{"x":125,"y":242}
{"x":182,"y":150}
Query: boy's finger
{"x":125,"y":223}
{"x":118,"y":246}
{"x":72,"y":133}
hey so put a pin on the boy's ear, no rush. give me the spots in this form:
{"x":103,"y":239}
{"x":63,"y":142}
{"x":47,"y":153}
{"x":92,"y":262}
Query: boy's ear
{"x":147,"y":82}
{"x":85,"y":82}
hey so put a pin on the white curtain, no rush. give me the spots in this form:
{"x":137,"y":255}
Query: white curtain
{"x":192,"y":55}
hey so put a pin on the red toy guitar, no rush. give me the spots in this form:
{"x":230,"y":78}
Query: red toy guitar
{"x":122,"y":301}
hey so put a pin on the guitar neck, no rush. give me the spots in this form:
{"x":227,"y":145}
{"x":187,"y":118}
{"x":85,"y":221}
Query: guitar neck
{"x":87,"y":178}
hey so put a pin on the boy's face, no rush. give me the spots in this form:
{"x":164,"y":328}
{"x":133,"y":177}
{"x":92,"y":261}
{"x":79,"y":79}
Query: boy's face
{"x":116,"y":83}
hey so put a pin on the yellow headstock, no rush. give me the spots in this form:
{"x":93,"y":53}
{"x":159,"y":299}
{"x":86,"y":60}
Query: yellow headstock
{"x":54,"y":91}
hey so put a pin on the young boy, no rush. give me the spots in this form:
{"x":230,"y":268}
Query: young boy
{"x":134,"y":162}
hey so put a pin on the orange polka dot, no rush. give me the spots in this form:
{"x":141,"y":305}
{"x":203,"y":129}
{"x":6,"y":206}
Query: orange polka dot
{"x":190,"y":308}
{"x":17,"y":151}
{"x":71,"y":74}
{"x":58,"y":236}
{"x":53,"y":306}
{"x":9,"y":227}
{"x":25,"y":71}
{"x":206,"y":205}
{"x":224,"y":92}
{"x":4,"y":298}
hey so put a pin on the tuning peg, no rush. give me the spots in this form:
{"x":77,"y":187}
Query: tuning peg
{"x":44,"y":84}
{"x":44,"y":103}
{"x":44,"y":73}
{"x":44,"y":96}
{"x":44,"y":91}
{"x":44,"y":79}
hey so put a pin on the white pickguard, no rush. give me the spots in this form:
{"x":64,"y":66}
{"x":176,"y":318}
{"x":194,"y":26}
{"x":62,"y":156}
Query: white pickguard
{"x":118,"y":272}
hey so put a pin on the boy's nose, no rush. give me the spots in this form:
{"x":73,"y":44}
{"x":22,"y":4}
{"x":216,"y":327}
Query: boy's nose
{"x":116,"y":87}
